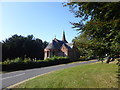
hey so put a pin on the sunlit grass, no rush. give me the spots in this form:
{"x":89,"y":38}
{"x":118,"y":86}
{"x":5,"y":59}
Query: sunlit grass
{"x":95,"y":75}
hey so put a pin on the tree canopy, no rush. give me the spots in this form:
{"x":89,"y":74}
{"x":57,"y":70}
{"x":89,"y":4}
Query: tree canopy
{"x":23,"y":47}
{"x":99,"y":25}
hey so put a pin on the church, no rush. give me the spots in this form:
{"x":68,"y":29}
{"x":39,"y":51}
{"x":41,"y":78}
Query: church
{"x":61,"y":48}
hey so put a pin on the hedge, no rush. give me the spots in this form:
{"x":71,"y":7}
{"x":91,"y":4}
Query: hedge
{"x":27,"y":63}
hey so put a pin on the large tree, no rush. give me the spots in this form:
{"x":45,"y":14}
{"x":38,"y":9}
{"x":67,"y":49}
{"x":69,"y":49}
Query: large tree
{"x":19,"y":46}
{"x":100,"y":23}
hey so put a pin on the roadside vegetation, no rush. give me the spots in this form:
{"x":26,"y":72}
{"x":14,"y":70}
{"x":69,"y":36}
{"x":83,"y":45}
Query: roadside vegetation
{"x":94,"y":75}
{"x":27,"y":63}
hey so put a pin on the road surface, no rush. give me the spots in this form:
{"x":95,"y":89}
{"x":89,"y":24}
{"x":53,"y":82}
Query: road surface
{"x":12,"y":78}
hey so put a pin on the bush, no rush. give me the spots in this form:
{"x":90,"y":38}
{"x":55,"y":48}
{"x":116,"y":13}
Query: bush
{"x":17,"y":60}
{"x":27,"y":63}
{"x":27,"y":60}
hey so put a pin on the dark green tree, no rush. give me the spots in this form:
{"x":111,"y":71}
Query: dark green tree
{"x":100,"y":22}
{"x":19,"y":46}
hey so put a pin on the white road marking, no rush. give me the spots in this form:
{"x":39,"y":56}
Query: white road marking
{"x":20,"y":71}
{"x":13,"y":76}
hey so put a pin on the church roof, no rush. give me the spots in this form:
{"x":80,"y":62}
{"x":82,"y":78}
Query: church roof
{"x":63,"y":38}
{"x":67,"y":46}
{"x":52,"y":45}
{"x":57,"y":44}
{"x":70,"y":44}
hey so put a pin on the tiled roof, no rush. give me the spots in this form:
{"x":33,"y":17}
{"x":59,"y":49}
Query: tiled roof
{"x":63,"y":38}
{"x":52,"y":45}
{"x":57,"y":44}
{"x":67,"y":46}
{"x":70,"y":44}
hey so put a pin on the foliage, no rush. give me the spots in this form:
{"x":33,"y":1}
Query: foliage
{"x":18,"y":63}
{"x":27,"y":60}
{"x":56,"y":58}
{"x":99,"y":27}
{"x":27,"y":63}
{"x":17,"y":60}
{"x":23,"y":47}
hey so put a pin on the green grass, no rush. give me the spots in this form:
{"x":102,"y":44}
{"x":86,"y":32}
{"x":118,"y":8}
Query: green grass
{"x":95,"y":75}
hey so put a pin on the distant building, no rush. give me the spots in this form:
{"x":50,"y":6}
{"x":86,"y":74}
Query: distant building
{"x":61,"y":48}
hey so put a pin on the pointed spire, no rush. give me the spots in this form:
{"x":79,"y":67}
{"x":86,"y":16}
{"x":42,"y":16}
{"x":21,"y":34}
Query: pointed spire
{"x":63,"y":38}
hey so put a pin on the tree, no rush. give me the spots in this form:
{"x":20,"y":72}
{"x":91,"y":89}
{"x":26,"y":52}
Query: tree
{"x":100,"y":22}
{"x":19,"y":46}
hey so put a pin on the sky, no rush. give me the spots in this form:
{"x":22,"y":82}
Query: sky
{"x":43,"y":20}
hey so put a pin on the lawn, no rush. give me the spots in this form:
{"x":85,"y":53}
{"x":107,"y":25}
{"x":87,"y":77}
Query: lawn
{"x":95,"y":75}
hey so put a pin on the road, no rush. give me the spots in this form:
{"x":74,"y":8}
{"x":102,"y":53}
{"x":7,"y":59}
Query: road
{"x":12,"y":78}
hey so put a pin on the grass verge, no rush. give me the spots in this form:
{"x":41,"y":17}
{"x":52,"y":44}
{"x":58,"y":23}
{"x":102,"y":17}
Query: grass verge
{"x":95,"y":75}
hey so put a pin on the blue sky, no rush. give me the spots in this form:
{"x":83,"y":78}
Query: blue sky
{"x":44,"y":20}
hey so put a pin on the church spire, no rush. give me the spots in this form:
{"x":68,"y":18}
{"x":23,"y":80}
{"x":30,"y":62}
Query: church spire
{"x":63,"y":38}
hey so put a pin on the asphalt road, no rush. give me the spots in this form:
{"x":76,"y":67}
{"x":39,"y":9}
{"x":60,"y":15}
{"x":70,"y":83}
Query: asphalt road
{"x":12,"y":78}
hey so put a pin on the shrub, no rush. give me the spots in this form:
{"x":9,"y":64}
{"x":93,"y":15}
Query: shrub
{"x":27,"y":63}
{"x":27,"y":60}
{"x":57,"y":58}
{"x":7,"y":62}
{"x":17,"y":60}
